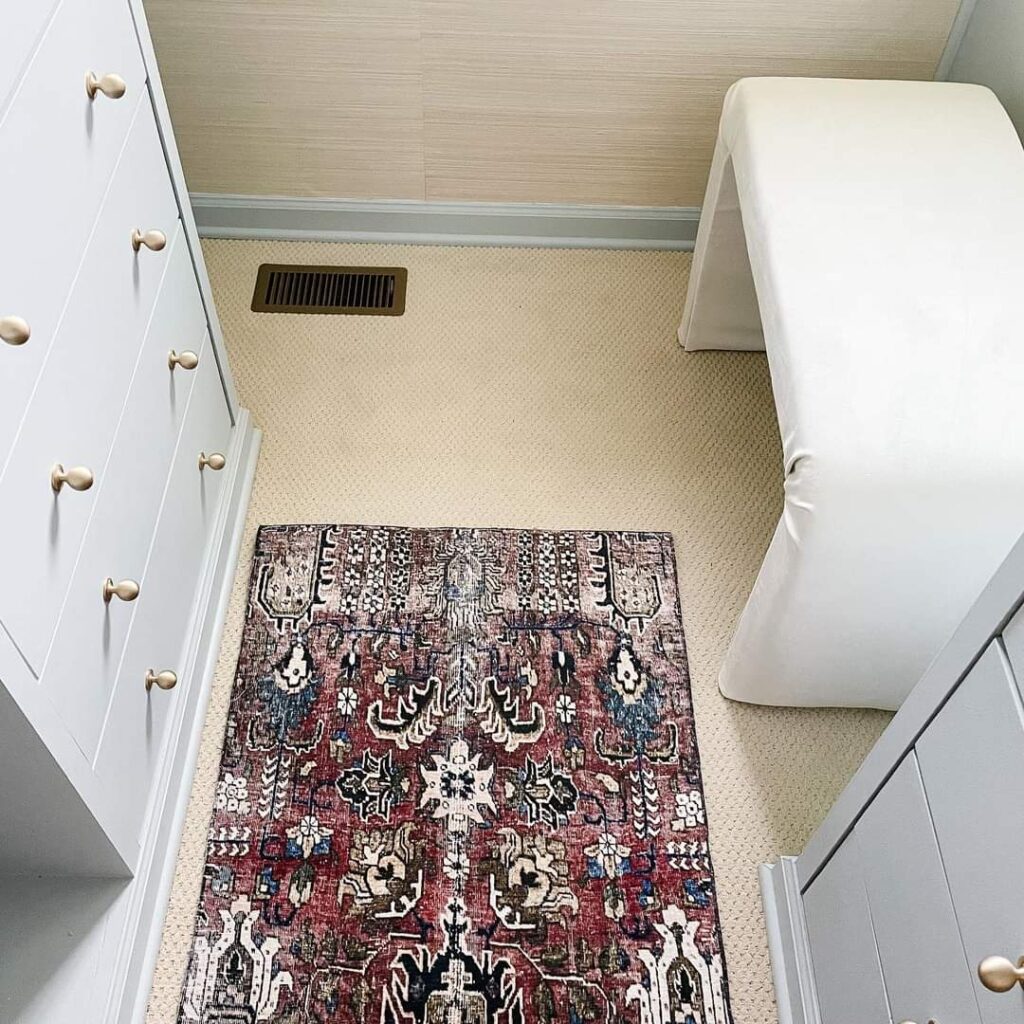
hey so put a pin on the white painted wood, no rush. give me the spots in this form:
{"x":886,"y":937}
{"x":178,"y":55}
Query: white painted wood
{"x":971,"y":760}
{"x":82,"y":387}
{"x":847,"y":972}
{"x":788,"y":944}
{"x":24,"y":25}
{"x":923,"y":963}
{"x":446,"y":223}
{"x":986,"y":619}
{"x":60,"y":150}
{"x":31,"y":778}
{"x":163,"y":118}
{"x":129,"y":750}
{"x":138,"y":951}
{"x":1013,"y":640}
{"x":83,"y":661}
{"x":102,"y":973}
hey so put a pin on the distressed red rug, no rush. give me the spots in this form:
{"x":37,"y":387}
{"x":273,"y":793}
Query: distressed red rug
{"x":460,"y":785}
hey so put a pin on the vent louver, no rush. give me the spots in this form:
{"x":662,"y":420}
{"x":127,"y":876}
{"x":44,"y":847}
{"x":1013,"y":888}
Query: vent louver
{"x":365,"y":291}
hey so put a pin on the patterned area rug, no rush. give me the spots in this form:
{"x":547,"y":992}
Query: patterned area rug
{"x":460,"y":785}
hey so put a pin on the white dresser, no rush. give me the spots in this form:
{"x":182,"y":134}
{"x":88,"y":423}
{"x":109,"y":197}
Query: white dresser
{"x":906,"y":904}
{"x":125,"y":469}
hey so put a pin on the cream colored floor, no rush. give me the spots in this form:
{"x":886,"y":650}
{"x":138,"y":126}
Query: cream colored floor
{"x":536,"y":388}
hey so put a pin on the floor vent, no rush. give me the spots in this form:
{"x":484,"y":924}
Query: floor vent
{"x":360,"y":291}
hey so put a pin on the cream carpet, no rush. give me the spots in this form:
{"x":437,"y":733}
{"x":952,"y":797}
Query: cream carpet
{"x":545,"y":389}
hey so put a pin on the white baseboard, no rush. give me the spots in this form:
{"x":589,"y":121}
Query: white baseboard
{"x":437,"y":223}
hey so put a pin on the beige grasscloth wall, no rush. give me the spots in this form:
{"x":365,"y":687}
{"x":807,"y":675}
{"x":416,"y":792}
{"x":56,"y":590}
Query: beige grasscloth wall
{"x":559,"y":101}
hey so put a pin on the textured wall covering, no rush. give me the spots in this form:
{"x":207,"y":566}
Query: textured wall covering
{"x":530,"y":388}
{"x":563,"y":101}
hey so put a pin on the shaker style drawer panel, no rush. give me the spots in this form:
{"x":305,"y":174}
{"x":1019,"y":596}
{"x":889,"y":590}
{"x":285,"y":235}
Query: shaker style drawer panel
{"x":1013,"y":638}
{"x":132,"y":738}
{"x":971,"y":758}
{"x":24,"y":24}
{"x":75,"y":410}
{"x":60,"y":149}
{"x":847,"y":974}
{"x":82,"y":665}
{"x":926,"y":974}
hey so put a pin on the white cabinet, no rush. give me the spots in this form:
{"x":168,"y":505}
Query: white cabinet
{"x":100,"y":259}
{"x":917,"y":864}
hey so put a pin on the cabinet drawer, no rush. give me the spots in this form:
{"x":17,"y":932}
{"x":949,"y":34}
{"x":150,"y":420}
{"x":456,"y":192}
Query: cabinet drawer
{"x":83,"y":660}
{"x":923,"y":965}
{"x":81,"y":392}
{"x":971,"y":756}
{"x":847,"y":974}
{"x":59,"y":149}
{"x":24,"y":25}
{"x":132,"y":739}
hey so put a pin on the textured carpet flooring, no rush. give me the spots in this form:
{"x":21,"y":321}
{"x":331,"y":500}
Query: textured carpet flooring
{"x":536,"y":389}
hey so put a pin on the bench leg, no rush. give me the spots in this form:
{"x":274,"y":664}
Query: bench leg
{"x":721,"y":308}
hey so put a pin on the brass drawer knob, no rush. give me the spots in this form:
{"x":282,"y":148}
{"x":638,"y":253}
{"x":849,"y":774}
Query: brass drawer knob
{"x":186,"y":360}
{"x":126,"y":590}
{"x":78,"y":478}
{"x":998,"y":974}
{"x":153,"y":240}
{"x":165,"y":680}
{"x":14,"y":330}
{"x":214,"y":460}
{"x":112,"y":86}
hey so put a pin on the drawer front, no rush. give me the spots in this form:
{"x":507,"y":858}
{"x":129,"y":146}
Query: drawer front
{"x":82,"y":664}
{"x":132,"y":739}
{"x":847,"y":974}
{"x":60,"y":151}
{"x":971,"y":757}
{"x":923,"y":965}
{"x":76,"y":407}
{"x":24,"y":25}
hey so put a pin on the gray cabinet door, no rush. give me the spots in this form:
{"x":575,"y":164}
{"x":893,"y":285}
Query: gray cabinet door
{"x":972,"y":763}
{"x":923,"y":963}
{"x":847,"y":974}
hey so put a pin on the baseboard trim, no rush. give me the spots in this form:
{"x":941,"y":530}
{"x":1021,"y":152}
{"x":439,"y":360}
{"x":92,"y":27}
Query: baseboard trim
{"x":788,"y":945}
{"x":437,"y":223}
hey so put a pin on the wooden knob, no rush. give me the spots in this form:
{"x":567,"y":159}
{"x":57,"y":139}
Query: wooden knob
{"x":112,"y":86}
{"x":78,"y":478}
{"x":14,"y":330}
{"x":186,"y":360}
{"x":998,"y":974}
{"x":126,"y":590}
{"x":153,"y":240}
{"x":214,"y":460}
{"x":165,"y":680}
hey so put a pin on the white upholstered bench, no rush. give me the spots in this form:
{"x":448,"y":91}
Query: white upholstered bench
{"x":869,"y":236}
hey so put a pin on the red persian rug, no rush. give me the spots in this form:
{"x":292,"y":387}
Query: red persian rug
{"x":460,"y":785}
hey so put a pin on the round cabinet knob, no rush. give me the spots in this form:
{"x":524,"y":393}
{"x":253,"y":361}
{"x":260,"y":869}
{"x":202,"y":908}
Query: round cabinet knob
{"x":78,"y":478}
{"x":14,"y":330}
{"x":153,"y":240}
{"x":214,"y":460}
{"x":126,"y":590}
{"x":999,"y":974}
{"x":112,"y":86}
{"x":165,"y":680}
{"x":186,"y":360}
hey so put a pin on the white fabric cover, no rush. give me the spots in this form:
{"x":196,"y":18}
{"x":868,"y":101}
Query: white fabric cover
{"x":884,"y":223}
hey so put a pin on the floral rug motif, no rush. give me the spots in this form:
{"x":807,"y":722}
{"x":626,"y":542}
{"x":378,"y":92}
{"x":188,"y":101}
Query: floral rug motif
{"x":460,"y":785}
